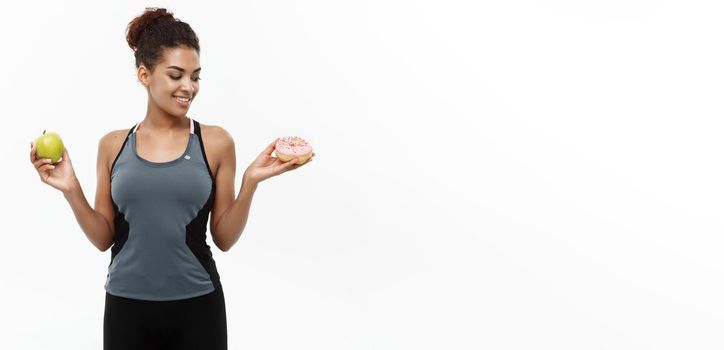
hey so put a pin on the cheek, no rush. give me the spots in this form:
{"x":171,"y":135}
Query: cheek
{"x":162,"y":88}
{"x":161,"y":97}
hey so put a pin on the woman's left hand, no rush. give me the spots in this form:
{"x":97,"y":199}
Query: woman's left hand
{"x":266,"y":166}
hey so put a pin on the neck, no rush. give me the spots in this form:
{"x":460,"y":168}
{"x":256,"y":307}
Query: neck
{"x":158,"y":120}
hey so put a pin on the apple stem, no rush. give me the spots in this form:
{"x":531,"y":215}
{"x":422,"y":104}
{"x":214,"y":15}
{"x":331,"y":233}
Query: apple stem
{"x":43,"y":132}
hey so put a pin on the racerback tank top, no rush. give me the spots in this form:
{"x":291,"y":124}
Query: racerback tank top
{"x":161,"y":214}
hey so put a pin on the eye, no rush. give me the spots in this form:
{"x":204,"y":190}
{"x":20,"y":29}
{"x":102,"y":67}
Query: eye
{"x":177,"y":78}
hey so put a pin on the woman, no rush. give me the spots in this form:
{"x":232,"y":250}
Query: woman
{"x":158,"y":182}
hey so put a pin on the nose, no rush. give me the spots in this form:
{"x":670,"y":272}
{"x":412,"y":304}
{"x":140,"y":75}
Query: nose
{"x":186,"y":86}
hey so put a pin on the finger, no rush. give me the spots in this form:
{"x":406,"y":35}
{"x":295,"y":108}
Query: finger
{"x":291,"y":164}
{"x":303,"y":164}
{"x":286,"y":165}
{"x":297,"y":166}
{"x":32,"y":153}
{"x":64,"y":156}
{"x":46,"y":167}
{"x":269,"y":149}
{"x":40,"y":162}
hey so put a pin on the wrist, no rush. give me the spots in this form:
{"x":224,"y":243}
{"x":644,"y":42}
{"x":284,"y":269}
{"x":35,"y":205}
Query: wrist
{"x":72,"y":189}
{"x":249,"y":182}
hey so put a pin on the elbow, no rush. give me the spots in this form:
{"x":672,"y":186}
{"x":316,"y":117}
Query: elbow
{"x":220,"y":241}
{"x":104,"y":247}
{"x":223,"y":248}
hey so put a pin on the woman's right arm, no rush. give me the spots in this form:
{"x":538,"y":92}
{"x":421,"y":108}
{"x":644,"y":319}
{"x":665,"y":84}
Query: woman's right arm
{"x":97,"y":224}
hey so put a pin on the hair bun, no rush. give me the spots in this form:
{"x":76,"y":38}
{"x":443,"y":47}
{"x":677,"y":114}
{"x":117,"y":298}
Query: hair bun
{"x":150,"y":17}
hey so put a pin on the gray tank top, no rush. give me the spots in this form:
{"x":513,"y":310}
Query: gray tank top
{"x":161,"y":215}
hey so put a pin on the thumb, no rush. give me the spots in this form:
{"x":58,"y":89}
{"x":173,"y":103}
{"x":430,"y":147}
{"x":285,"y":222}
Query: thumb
{"x":292,"y":162}
{"x":289,"y":164}
{"x":65,"y":155}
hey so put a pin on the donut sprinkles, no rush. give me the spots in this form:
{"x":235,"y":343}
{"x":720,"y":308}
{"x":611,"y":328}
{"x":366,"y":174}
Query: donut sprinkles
{"x":290,"y":147}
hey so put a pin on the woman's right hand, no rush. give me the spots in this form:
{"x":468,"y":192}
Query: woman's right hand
{"x":60,"y":176}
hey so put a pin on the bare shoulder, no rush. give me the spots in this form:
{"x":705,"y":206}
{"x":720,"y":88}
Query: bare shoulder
{"x":215,"y":133}
{"x":218,"y":144}
{"x":110,"y":144}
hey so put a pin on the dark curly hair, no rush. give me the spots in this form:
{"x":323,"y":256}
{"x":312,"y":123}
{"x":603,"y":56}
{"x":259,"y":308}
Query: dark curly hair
{"x":155,"y":30}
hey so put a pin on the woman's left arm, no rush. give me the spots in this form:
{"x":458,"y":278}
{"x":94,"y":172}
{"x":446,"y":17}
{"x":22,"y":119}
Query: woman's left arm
{"x":229,"y":215}
{"x":224,"y":233}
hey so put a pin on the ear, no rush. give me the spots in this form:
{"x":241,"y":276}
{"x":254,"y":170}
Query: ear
{"x":144,"y":75}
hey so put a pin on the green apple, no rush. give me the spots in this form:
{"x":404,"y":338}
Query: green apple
{"x":49,"y":145}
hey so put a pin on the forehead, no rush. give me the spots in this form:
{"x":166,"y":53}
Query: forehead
{"x":184,"y":57}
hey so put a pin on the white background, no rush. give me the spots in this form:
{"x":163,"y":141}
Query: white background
{"x":488,"y":175}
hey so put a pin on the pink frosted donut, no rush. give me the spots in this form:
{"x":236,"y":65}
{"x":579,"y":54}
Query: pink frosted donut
{"x":290,"y":147}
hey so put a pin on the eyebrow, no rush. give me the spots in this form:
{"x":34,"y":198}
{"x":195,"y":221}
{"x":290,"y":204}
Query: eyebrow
{"x":183,"y":70}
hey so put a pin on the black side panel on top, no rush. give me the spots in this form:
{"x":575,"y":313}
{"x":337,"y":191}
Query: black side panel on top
{"x":121,"y":150}
{"x":196,"y":238}
{"x":120,"y":235}
{"x":197,"y":131}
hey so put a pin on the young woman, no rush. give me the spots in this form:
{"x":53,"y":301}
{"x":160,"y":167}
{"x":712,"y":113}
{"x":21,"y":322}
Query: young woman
{"x":158,"y":182}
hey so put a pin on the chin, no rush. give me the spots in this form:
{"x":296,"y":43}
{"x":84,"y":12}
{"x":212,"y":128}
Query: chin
{"x":176,"y":112}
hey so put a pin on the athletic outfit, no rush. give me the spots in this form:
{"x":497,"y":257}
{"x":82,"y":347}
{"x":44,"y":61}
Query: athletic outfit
{"x":162,"y":288}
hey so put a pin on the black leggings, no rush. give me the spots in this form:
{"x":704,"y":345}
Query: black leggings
{"x":189,"y":324}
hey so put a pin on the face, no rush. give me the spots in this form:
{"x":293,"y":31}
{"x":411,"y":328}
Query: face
{"x":174,"y":82}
